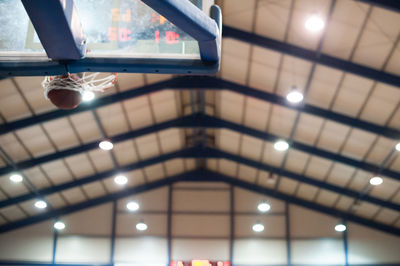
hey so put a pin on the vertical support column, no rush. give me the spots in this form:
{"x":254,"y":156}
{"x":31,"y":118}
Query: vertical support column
{"x":288,"y":246}
{"x":55,"y":238}
{"x":345,"y":246}
{"x":113,"y":229}
{"x":169,"y":224}
{"x":232,"y":224}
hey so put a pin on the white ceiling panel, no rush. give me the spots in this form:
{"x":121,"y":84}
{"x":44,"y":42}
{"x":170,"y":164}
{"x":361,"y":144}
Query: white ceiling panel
{"x":112,"y":119}
{"x":12,"y":105}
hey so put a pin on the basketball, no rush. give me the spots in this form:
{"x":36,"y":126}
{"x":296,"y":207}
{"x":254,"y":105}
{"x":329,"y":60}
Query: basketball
{"x":64,"y":98}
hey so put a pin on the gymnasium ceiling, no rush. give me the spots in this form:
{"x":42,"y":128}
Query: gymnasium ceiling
{"x":167,"y":129}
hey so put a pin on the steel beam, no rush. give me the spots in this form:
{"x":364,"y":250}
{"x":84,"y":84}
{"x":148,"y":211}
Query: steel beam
{"x":59,"y":28}
{"x":212,"y":122}
{"x":198,"y":176}
{"x":206,"y":121}
{"x":393,"y":5}
{"x":113,"y":231}
{"x":213,"y":153}
{"x":212,"y":83}
{"x":208,"y":83}
{"x":310,"y":55}
{"x":97,"y":201}
{"x":194,"y":22}
{"x":183,"y":122}
{"x":100,"y":102}
{"x":288,"y":236}
{"x":100,"y":176}
{"x":208,"y":153}
{"x":211,"y":176}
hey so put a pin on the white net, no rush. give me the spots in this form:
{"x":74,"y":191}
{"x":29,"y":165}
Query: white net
{"x":83,"y":82}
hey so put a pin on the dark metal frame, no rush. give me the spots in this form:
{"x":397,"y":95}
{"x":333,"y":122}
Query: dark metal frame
{"x":206,"y":121}
{"x":199,"y":176}
{"x":206,"y":83}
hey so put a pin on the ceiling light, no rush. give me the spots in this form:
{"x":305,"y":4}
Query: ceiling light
{"x":340,"y":228}
{"x":132,"y":206}
{"x":141,"y":226}
{"x":281,"y":145}
{"x":258,"y":227}
{"x":294,"y":96}
{"x":59,"y":225}
{"x":106,"y":145}
{"x":314,"y":23}
{"x":121,"y":180}
{"x":16,"y":178}
{"x":88,"y":96}
{"x":398,"y":146}
{"x":376,"y":181}
{"x":40,"y":204}
{"x":263,"y":206}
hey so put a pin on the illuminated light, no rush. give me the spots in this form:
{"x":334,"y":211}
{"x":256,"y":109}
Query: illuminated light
{"x":59,"y":225}
{"x":106,"y":145}
{"x":376,"y":181}
{"x":201,"y":263}
{"x":281,"y":145}
{"x":294,"y":96}
{"x":40,"y":204}
{"x":340,"y":228}
{"x":258,"y":227}
{"x":263,"y":206}
{"x":314,"y":23}
{"x":141,"y":226}
{"x":16,"y":178}
{"x":88,"y":96}
{"x":398,"y":146}
{"x":132,"y":206}
{"x":120,"y":180}
{"x":220,"y":263}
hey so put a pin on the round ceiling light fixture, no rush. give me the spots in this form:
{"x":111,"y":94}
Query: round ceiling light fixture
{"x":376,"y":181}
{"x":314,"y":23}
{"x":106,"y":145}
{"x":263,"y":206}
{"x":281,"y":145}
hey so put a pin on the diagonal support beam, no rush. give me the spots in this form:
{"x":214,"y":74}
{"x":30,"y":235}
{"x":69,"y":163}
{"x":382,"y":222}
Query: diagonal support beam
{"x":212,"y":83}
{"x":197,"y":176}
{"x":310,"y":55}
{"x":300,"y":202}
{"x":208,"y":83}
{"x":186,"y":153}
{"x":206,"y":121}
{"x":214,"y":153}
{"x":213,"y":122}
{"x":183,"y":122}
{"x":393,"y":5}
{"x":59,"y":28}
{"x":91,"y":203}
{"x":49,"y":116}
{"x":206,"y":153}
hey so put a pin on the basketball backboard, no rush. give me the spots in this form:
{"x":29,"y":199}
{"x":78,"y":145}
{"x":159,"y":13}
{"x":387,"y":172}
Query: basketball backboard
{"x":118,"y":36}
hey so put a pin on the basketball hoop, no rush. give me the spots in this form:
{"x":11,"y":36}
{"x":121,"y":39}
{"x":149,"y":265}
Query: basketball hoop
{"x":65,"y":91}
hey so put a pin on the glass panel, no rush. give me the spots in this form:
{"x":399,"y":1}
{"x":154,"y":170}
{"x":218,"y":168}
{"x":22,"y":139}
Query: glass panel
{"x":129,"y":28}
{"x":17,"y":35}
{"x":114,"y":28}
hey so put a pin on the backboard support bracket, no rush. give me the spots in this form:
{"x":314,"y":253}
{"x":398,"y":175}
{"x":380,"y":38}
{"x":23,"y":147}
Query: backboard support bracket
{"x":66,"y":56}
{"x":58,"y":27}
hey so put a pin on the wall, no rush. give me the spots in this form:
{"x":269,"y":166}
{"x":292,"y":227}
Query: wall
{"x":200,"y":229}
